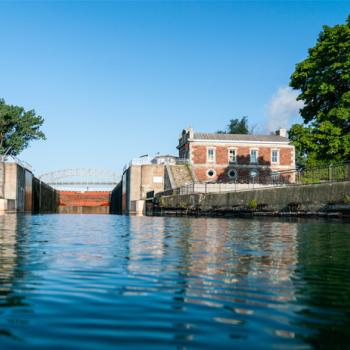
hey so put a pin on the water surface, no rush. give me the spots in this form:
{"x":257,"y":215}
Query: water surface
{"x":107,"y":282}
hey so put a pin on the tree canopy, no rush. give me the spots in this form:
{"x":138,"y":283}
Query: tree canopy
{"x":323,"y":79}
{"x":17,"y":128}
{"x":236,"y":126}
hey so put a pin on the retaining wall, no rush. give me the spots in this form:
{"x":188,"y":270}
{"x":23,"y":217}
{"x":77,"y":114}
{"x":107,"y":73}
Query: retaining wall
{"x":316,"y":197}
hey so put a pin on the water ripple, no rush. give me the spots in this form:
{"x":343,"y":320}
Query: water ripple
{"x":86,"y":281}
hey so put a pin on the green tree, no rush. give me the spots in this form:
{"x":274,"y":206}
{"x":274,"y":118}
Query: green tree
{"x":17,"y":128}
{"x":236,"y":126}
{"x":323,"y":79}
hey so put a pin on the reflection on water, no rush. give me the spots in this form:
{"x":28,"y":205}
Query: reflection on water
{"x":95,"y":282}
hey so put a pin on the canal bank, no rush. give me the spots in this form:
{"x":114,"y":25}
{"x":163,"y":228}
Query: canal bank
{"x":325,"y":199}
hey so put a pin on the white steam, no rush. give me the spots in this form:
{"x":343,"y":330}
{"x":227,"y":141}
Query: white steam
{"x":283,"y":109}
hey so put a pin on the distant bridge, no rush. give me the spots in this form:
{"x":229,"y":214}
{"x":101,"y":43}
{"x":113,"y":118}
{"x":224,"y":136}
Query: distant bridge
{"x":80,"y":178}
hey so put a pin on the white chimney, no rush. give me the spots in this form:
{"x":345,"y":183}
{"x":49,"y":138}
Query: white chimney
{"x":281,"y":132}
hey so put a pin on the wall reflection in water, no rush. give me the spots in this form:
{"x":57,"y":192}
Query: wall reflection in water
{"x":215,"y":263}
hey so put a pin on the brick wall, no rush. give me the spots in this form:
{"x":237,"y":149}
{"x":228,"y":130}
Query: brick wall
{"x":221,"y":166}
{"x":199,"y":154}
{"x":221,"y":155}
{"x":285,"y":156}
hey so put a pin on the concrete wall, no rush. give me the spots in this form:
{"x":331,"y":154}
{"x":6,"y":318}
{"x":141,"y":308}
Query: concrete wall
{"x":44,"y":197}
{"x":116,"y":199}
{"x":303,"y":197}
{"x":129,"y":195}
{"x":21,"y":191}
{"x":15,"y":181}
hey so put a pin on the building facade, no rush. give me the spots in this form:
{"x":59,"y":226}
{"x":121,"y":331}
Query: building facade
{"x":236,"y":157}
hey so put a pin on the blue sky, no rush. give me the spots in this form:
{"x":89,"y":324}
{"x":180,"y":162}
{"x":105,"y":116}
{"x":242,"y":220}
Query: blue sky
{"x":115,"y":80}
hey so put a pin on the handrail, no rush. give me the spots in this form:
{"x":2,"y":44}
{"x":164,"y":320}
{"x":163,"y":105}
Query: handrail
{"x":312,"y":175}
{"x":14,"y":159}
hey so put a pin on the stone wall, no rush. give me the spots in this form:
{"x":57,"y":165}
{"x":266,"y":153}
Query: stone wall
{"x":315,"y":197}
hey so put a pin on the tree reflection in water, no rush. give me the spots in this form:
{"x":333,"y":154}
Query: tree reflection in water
{"x":322,"y":284}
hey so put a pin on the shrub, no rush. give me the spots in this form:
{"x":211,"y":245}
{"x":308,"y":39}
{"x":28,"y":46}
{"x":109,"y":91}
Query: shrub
{"x":252,"y":204}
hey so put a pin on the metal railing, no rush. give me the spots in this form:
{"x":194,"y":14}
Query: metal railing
{"x":14,"y":159}
{"x":314,"y":175}
{"x":148,"y":160}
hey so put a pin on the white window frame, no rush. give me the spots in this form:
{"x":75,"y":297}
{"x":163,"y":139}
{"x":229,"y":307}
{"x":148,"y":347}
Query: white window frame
{"x":214,"y":155}
{"x":229,"y":155}
{"x":278,"y":156}
{"x":257,"y":156}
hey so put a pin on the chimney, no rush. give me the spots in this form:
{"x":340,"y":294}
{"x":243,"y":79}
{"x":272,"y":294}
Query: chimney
{"x":281,"y":132}
{"x":189,"y":133}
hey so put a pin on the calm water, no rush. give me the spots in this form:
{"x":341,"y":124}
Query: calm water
{"x":106,"y":282}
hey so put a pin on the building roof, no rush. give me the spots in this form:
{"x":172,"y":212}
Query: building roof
{"x":239,"y":137}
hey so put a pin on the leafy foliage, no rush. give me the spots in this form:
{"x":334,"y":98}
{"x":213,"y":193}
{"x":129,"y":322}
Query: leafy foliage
{"x":236,"y":126}
{"x":324,"y":81}
{"x":17,"y":128}
{"x":252,"y":204}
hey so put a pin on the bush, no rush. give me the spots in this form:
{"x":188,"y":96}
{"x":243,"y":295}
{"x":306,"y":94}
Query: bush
{"x":252,"y":204}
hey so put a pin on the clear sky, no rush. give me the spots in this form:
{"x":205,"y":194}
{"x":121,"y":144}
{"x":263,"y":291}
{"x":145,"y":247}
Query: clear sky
{"x":115,"y":80}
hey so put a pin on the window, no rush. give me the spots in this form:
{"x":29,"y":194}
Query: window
{"x":253,"y":155}
{"x":275,"y":155}
{"x":232,"y":174}
{"x":211,"y":154}
{"x":253,"y":173}
{"x":232,"y":155}
{"x":157,"y":179}
{"x":211,"y":173}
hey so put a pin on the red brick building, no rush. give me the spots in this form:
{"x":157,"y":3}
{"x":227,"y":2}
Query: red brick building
{"x":235,"y":157}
